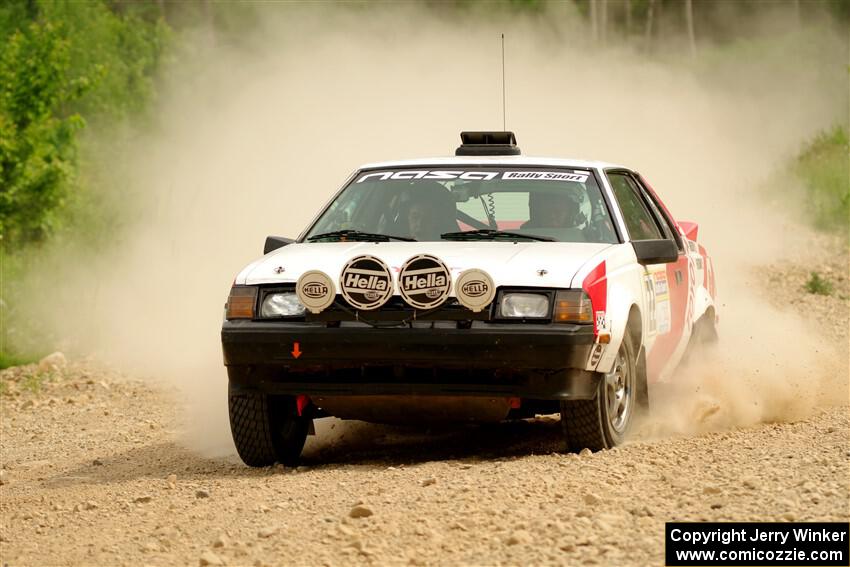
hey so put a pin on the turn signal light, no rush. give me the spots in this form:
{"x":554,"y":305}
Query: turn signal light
{"x":241,"y":302}
{"x":572,"y":306}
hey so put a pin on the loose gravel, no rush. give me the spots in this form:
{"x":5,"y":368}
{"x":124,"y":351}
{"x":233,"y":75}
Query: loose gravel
{"x":93,"y":471}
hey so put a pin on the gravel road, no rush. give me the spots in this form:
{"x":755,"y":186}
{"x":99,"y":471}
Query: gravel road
{"x":94,"y":472}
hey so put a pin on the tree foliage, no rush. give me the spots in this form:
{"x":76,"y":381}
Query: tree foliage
{"x":63,"y":65}
{"x":37,"y":143}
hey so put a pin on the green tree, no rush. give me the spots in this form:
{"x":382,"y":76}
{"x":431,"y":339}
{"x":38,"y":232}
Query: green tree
{"x":65,"y":64}
{"x":37,"y":142}
{"x":76,"y":77}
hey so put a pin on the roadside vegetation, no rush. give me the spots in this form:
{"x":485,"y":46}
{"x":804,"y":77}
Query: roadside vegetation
{"x":80,"y":80}
{"x":818,"y":284}
{"x":823,"y":168}
{"x":72,"y":76}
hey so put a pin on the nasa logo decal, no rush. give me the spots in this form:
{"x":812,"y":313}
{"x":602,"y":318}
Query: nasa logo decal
{"x":475,"y":289}
{"x":424,"y":282}
{"x":365,"y":282}
{"x":315,"y":290}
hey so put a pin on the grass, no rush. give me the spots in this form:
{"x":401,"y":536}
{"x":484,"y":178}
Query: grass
{"x":824,"y":169}
{"x":818,"y":285}
{"x":21,"y":339}
{"x":8,"y":359}
{"x":32,"y":382}
{"x":35,"y":381}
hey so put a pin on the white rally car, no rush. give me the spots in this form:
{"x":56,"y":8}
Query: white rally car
{"x":480,"y":287}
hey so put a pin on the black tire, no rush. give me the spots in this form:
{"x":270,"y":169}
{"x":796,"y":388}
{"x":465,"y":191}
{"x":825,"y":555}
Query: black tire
{"x":703,"y":338}
{"x":594,"y":424}
{"x":266,"y":429}
{"x":705,"y":331}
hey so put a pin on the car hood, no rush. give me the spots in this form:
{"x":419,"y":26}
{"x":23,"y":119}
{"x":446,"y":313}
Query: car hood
{"x":537,"y":264}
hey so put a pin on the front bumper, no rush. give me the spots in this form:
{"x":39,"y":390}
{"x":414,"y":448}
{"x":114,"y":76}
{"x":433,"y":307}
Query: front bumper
{"x":540,"y":361}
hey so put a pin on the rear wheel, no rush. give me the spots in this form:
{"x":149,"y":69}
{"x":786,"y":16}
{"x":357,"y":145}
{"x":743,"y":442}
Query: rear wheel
{"x":703,"y":337}
{"x":603,"y":422}
{"x":266,"y":429}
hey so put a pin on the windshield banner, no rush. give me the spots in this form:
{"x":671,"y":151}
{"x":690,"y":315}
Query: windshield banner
{"x":411,"y":174}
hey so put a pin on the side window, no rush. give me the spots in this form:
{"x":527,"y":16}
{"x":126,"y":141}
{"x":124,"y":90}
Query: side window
{"x":669,"y":230}
{"x":638,"y":219}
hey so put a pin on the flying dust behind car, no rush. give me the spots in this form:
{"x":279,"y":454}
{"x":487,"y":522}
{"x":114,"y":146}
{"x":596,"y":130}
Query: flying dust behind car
{"x":577,"y":290}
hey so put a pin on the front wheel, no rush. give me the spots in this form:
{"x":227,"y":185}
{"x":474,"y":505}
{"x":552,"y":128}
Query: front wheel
{"x":266,"y":429}
{"x":603,"y":422}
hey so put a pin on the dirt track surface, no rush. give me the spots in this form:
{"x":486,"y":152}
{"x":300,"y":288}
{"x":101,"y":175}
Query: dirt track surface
{"x":94,"y":472}
{"x":89,"y":481}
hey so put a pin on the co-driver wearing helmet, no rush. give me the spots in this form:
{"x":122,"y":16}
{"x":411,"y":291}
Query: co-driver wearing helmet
{"x":561,"y":208}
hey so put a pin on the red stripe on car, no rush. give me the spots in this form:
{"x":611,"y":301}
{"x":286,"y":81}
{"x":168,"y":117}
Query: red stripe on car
{"x":596,"y":286}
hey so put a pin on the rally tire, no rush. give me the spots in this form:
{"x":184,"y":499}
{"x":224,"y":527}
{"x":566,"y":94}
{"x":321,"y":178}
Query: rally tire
{"x":703,"y":339}
{"x":592,"y":424}
{"x":581,"y":424}
{"x":266,"y":429}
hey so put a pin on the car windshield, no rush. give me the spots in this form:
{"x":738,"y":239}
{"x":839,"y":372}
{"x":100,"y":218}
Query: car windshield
{"x":468,"y":203}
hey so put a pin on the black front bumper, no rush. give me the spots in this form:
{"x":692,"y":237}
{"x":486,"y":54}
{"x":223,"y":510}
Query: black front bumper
{"x":541,"y":361}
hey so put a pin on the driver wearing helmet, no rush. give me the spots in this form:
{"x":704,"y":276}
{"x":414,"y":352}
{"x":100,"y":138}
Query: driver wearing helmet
{"x":427,"y":210}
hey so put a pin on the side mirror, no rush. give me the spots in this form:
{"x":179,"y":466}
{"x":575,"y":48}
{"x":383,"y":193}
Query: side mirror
{"x":275,"y":242}
{"x":655,"y":251}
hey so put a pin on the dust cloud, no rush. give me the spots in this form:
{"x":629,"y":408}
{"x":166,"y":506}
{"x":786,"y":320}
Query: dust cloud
{"x":253,"y":139}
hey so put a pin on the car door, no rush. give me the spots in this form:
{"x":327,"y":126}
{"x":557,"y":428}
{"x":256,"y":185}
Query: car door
{"x":681,"y":278}
{"x":665,"y":285}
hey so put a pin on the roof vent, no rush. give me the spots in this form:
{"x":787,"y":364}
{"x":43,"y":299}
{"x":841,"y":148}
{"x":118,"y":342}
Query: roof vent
{"x":487,"y":144}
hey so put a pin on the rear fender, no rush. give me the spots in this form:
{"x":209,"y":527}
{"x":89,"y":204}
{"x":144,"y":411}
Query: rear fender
{"x":702,"y":302}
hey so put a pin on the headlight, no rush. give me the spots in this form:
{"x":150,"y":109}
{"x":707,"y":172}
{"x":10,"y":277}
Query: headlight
{"x":285,"y":304}
{"x":524,"y":305}
{"x":241,"y":302}
{"x":572,"y":306}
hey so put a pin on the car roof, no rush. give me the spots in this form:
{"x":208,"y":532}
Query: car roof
{"x":494,"y":160}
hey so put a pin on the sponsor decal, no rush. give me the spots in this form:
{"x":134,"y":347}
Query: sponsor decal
{"x":595,"y":356}
{"x":315,"y":290}
{"x":601,"y":321}
{"x":414,"y":174}
{"x":365,"y":282}
{"x":649,"y":293}
{"x":424,"y":282}
{"x":661,"y":301}
{"x":660,"y":281}
{"x":578,"y":177}
{"x":475,"y":289}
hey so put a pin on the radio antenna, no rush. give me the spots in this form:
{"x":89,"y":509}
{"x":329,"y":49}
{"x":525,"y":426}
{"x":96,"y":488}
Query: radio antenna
{"x":504,"y":111}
